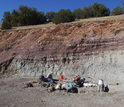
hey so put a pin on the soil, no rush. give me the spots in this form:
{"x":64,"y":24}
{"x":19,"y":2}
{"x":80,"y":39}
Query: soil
{"x":14,"y":94}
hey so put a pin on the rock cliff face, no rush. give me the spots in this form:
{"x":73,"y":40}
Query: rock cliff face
{"x":89,"y":48}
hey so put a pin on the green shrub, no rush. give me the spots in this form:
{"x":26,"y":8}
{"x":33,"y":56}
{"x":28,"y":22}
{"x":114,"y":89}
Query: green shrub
{"x":5,"y":46}
{"x":117,"y":11}
{"x":37,"y":35}
{"x":78,"y":25}
{"x":6,"y":25}
{"x":12,"y":53}
{"x":63,"y":16}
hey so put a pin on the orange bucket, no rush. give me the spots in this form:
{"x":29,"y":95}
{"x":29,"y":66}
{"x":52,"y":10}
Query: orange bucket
{"x":61,"y":76}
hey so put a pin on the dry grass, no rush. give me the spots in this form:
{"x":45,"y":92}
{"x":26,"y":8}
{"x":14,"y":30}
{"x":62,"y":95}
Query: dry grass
{"x":34,"y":26}
{"x":107,"y":18}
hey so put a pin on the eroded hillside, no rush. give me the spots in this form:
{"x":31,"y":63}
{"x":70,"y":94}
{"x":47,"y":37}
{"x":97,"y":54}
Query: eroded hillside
{"x":91,"y":47}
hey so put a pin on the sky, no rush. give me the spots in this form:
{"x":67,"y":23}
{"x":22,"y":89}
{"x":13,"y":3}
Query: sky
{"x":54,"y":5}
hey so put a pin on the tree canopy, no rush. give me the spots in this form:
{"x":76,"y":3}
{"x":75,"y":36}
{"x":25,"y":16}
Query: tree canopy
{"x":123,"y":5}
{"x":50,"y":16}
{"x":23,"y":16}
{"x":30,"y":16}
{"x":63,"y":16}
{"x":95,"y":10}
{"x":6,"y":21}
{"x":117,"y":11}
{"x":99,"y":10}
{"x":78,"y":13}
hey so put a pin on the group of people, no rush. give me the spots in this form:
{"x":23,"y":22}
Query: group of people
{"x":78,"y":80}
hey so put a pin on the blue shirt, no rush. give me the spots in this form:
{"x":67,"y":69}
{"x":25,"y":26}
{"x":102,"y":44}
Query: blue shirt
{"x":69,"y":85}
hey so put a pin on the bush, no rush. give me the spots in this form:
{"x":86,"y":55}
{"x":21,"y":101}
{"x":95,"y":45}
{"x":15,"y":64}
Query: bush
{"x":12,"y":53}
{"x":5,"y":46}
{"x":22,"y":17}
{"x":78,"y":13}
{"x":63,"y":16}
{"x":30,"y":16}
{"x":78,"y":25}
{"x":117,"y":11}
{"x":6,"y":25}
{"x":6,"y":21}
{"x":95,"y":10}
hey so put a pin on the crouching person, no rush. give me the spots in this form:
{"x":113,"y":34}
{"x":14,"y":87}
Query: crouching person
{"x":71,"y":88}
{"x":58,"y":86}
{"x":79,"y":81}
{"x":50,"y":77}
{"x":100,"y":85}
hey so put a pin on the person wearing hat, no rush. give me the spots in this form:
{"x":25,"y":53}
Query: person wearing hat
{"x":50,"y":77}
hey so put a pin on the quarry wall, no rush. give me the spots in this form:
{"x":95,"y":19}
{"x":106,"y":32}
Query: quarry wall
{"x":93,"y":49}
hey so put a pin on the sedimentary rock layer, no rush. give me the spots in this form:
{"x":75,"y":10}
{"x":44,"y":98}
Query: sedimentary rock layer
{"x":95,"y":48}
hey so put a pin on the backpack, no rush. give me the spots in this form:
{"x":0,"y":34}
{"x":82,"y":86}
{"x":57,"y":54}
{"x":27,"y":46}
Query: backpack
{"x":106,"y":89}
{"x":51,"y":89}
{"x":42,"y":78}
{"x":29,"y":85}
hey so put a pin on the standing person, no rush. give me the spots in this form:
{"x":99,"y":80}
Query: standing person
{"x":50,"y":77}
{"x":100,"y":85}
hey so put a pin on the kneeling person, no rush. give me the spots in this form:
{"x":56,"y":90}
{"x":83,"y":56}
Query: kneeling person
{"x":49,"y":77}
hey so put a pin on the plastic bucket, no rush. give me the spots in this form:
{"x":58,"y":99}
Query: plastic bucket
{"x":61,"y":76}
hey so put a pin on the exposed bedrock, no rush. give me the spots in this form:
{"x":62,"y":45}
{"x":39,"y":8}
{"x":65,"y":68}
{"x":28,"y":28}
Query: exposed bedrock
{"x":107,"y":65}
{"x":96,"y":49}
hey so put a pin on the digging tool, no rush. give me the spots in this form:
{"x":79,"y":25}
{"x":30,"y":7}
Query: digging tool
{"x":114,"y":84}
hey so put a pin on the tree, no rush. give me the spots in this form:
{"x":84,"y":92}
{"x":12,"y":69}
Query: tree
{"x":41,"y":18}
{"x":100,"y":10}
{"x":14,"y":18}
{"x":24,"y":16}
{"x":6,"y":25}
{"x":78,"y":13}
{"x":63,"y":16}
{"x":117,"y":11}
{"x":6,"y":21}
{"x":87,"y":12}
{"x":50,"y":16}
{"x":30,"y":16}
{"x":7,"y":17}
{"x":95,"y":10}
{"x":123,"y":5}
